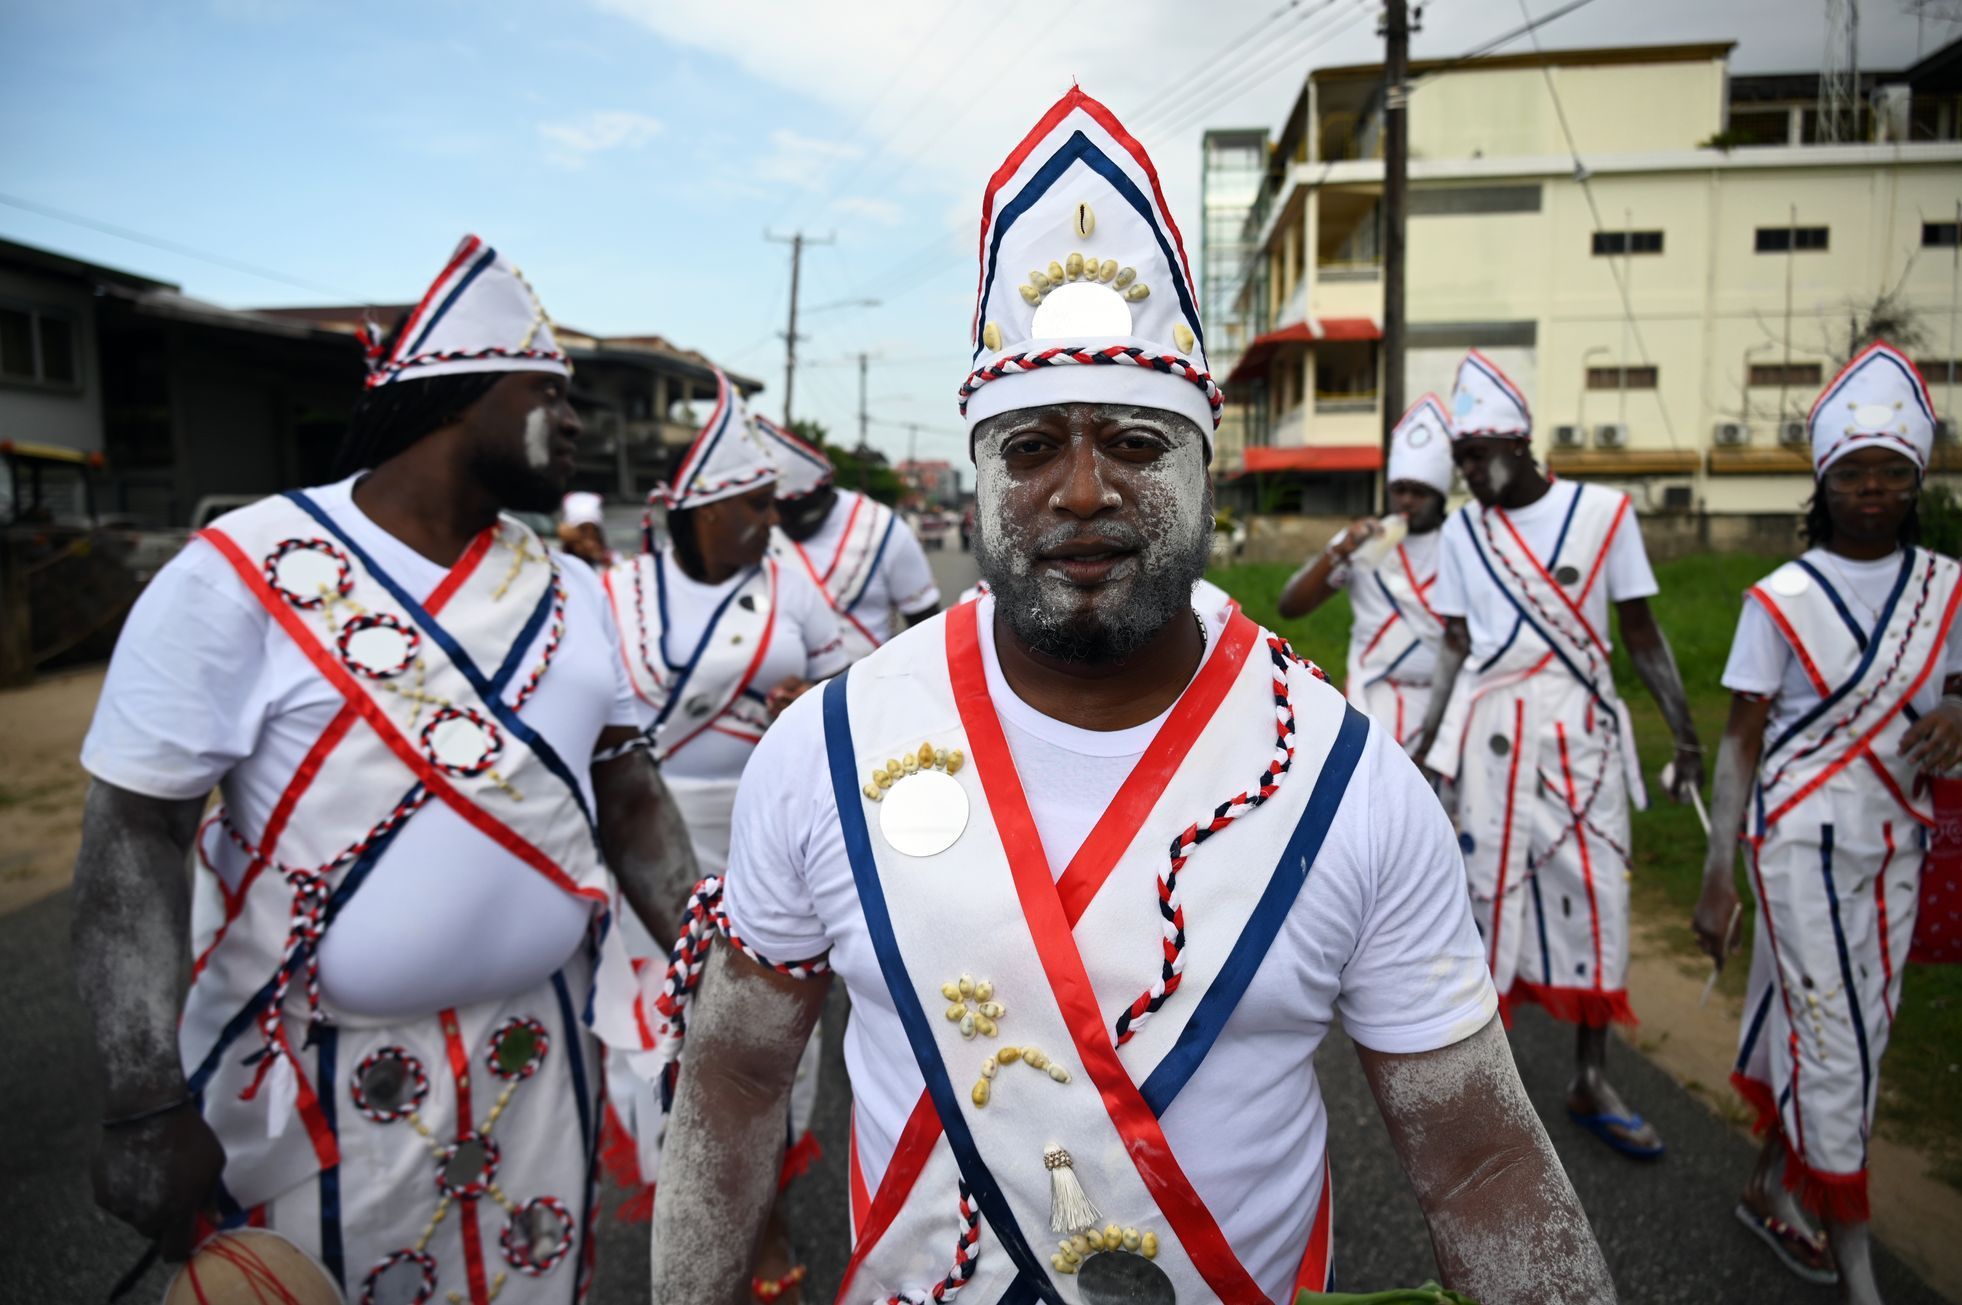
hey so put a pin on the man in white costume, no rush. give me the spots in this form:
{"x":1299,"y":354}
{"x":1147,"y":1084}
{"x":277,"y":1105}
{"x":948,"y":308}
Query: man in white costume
{"x":856,"y":550}
{"x":1097,"y":869}
{"x":405,"y":930}
{"x":1388,"y":568}
{"x":582,"y":528}
{"x":1534,"y":734}
{"x":1845,"y":672}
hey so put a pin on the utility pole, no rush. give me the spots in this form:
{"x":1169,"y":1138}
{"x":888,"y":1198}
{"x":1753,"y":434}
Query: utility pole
{"x":1396,"y":162}
{"x":863,"y":416}
{"x":796,"y":240}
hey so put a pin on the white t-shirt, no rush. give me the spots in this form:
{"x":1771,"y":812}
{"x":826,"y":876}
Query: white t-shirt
{"x":903,"y":582}
{"x":1464,"y":588}
{"x":205,"y":689}
{"x":1370,"y":607}
{"x":806,"y":644}
{"x":1381,"y":936}
{"x":1762,"y":662}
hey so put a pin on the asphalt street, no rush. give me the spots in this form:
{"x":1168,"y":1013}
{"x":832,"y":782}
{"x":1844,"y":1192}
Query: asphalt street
{"x":1666,"y":1226}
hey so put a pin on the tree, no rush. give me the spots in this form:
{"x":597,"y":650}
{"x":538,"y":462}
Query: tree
{"x":868,"y":475}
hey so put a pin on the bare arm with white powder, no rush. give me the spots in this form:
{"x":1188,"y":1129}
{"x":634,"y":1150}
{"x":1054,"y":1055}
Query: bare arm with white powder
{"x":1505,"y":1223}
{"x":747,"y":1026}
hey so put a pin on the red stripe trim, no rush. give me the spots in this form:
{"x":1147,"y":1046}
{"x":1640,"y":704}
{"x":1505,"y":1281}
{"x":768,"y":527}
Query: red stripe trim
{"x":473,"y":1248}
{"x":330,"y":738}
{"x":755,"y":662}
{"x":1118,"y":827}
{"x":464,"y":567}
{"x":824,"y":588}
{"x":1377,"y":638}
{"x":1505,"y":838}
{"x":464,"y":252}
{"x":1602,"y":557}
{"x":1069,"y":983}
{"x":1784,"y":625}
{"x":688,"y":468}
{"x":1935,"y":655}
{"x":845,"y":537}
{"x":431,"y":778}
{"x":1418,"y":586}
{"x":1778,"y":970}
{"x":326,"y":1146}
{"x":909,"y":1157}
{"x":1880,"y":905}
{"x":1887,"y":782}
{"x":1553,"y":584}
{"x":1580,"y":838}
{"x":855,"y":1177}
{"x":1313,"y":1274}
{"x":620,"y":632}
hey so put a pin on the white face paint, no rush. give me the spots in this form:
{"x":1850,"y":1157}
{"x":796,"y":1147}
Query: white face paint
{"x":538,"y":440}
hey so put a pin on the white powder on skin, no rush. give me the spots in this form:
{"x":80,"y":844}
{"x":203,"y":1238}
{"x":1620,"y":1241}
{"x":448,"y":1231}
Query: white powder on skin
{"x":538,"y":439}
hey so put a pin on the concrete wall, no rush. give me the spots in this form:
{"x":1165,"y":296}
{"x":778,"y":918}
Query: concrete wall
{"x":1294,"y":539}
{"x":70,"y":418}
{"x":1507,"y":111}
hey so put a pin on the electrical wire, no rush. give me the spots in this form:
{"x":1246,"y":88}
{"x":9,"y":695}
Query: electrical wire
{"x":1265,"y":67}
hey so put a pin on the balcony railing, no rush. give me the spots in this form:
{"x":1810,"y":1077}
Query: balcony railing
{"x":1327,"y":401}
{"x":1372,"y":271}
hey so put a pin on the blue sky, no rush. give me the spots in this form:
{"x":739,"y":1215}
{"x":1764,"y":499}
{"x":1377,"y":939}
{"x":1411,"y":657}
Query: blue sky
{"x":629,"y":154}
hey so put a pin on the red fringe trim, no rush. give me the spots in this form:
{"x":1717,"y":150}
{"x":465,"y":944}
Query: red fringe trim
{"x":801,"y":1155}
{"x":1576,"y":1005}
{"x":1837,"y":1198}
{"x":1758,"y":1096}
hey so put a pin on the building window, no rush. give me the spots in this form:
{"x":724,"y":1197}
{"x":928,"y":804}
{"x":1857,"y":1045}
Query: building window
{"x":1782,"y":240}
{"x":1938,"y":371}
{"x":1445,"y":201}
{"x":1627,"y":242}
{"x":1621,"y":378}
{"x":37,"y":348}
{"x":1804,"y":374}
{"x":1939,"y":235}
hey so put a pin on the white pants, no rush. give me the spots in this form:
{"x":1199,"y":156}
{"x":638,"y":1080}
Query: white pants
{"x":1838,"y":881}
{"x":1543,"y":823}
{"x":417,"y":1108}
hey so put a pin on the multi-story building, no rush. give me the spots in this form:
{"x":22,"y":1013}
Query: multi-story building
{"x":1232,"y":162}
{"x":1660,"y":253}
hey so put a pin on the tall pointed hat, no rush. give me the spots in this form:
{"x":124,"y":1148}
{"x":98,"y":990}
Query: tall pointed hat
{"x":802,"y":467}
{"x":1420,"y":445}
{"x":1486,"y":402}
{"x":478,"y":315}
{"x":1877,"y":401}
{"x":1085,"y":292}
{"x":724,"y":460}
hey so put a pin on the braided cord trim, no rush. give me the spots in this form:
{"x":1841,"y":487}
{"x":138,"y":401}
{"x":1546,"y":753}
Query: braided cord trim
{"x":390,"y":371}
{"x":1077,"y":355}
{"x":967,"y":1253}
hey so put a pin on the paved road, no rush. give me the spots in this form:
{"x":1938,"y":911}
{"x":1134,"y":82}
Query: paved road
{"x":1666,"y":1227}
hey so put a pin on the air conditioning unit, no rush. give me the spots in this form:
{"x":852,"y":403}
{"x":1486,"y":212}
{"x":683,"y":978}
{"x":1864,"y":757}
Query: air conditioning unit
{"x":1732,"y":434}
{"x":1569,"y":437}
{"x":1611,"y":435}
{"x":1792,"y":433}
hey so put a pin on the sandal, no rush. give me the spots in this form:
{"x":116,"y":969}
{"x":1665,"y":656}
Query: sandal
{"x":1806,"y":1255}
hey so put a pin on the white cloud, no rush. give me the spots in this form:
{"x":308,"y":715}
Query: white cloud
{"x":799,"y":160}
{"x":882,"y":211}
{"x":570,"y":143}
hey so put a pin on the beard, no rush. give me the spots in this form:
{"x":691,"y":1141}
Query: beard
{"x":517,"y":484}
{"x":1048,"y":614}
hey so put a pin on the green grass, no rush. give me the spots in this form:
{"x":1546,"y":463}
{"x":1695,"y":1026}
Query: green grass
{"x":1697,"y":609}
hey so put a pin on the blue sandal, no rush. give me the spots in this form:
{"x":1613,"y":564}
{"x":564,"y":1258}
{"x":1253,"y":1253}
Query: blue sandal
{"x":1613,"y":1129}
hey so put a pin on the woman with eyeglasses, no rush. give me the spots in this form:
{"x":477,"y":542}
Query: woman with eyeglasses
{"x":1846,"y":676}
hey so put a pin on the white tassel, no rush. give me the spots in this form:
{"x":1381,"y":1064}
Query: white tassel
{"x":1070,"y":1210}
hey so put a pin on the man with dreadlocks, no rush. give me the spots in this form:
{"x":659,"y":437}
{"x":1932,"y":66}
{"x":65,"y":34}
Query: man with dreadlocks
{"x":404,"y":929}
{"x":1098,"y":868}
{"x":1533,"y":733}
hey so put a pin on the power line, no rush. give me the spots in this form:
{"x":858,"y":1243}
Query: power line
{"x":1497,"y":42}
{"x":1191,"y":79}
{"x":1276,"y":62}
{"x":173,"y":247}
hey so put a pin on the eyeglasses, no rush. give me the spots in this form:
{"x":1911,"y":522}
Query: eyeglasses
{"x":1891,"y":475}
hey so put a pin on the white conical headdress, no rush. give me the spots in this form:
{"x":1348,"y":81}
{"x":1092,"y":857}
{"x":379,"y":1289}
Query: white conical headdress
{"x":1420,"y":445}
{"x":1085,"y":292}
{"x":1486,"y":402}
{"x":1877,"y":401}
{"x":479,"y":315}
{"x":725,"y":459}
{"x":802,"y":467}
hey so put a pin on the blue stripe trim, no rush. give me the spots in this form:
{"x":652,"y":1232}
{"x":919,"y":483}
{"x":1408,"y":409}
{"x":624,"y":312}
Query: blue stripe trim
{"x":488,"y":257}
{"x":1079,"y":147}
{"x":1851,"y":987}
{"x":451,"y":648}
{"x":572,"y":1029}
{"x":1839,"y":604}
{"x":905,"y":995}
{"x":706,"y":441}
{"x":1756,"y":1027}
{"x":357,"y":874}
{"x":1560,"y":542}
{"x":892,"y":524}
{"x":1913,"y":382}
{"x":526,"y":638}
{"x":685,"y":671}
{"x":1209,"y":1018}
{"x":1539,"y":915}
{"x":1491,"y":374}
{"x":1388,"y":597}
{"x":1555,"y":648}
{"x":1488,"y":663}
{"x":327,"y":1044}
{"x":1415,"y":644}
{"x":1827,"y":703}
